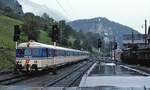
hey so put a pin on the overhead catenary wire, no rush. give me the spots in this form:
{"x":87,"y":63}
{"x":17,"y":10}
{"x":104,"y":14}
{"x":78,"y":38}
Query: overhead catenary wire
{"x":62,"y":8}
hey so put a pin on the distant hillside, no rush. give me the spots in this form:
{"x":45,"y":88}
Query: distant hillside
{"x":12,"y":4}
{"x":102,"y":26}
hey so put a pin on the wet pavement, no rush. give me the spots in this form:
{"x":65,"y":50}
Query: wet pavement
{"x":71,"y":88}
{"x":110,"y":69}
{"x":111,"y":75}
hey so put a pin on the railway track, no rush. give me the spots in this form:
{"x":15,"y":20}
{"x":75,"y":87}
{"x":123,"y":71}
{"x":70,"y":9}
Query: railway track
{"x":68,"y":79}
{"x":21,"y":77}
{"x":14,"y":79}
{"x":6,"y":72}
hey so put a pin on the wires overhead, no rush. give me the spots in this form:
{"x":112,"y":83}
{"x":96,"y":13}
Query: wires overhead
{"x":62,"y":8}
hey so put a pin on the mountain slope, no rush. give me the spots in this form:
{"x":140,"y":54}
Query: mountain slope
{"x":13,"y":4}
{"x":29,"y":6}
{"x":102,"y":26}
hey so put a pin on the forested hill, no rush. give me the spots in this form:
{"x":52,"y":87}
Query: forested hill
{"x":102,"y":25}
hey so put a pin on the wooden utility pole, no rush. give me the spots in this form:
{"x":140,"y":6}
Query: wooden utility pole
{"x":145,"y":32}
{"x":132,"y":37}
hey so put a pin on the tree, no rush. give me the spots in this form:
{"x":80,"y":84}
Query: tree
{"x":31,"y":26}
{"x":77,"y":44}
{"x":47,"y":23}
{"x":65,"y":31}
{"x":45,"y":16}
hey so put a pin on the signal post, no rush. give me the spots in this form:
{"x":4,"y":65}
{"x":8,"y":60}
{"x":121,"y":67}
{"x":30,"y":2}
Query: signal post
{"x":99,"y":46}
{"x":16,"y":38}
{"x":55,"y":39}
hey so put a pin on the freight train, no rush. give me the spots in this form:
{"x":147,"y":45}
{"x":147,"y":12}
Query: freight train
{"x":35,"y":56}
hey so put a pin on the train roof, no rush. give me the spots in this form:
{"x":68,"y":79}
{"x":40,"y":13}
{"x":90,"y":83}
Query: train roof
{"x":33,"y":44}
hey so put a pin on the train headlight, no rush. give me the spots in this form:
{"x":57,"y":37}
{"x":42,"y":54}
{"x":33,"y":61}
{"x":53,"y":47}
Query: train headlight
{"x":27,"y":61}
{"x":20,"y":61}
{"x":17,"y":62}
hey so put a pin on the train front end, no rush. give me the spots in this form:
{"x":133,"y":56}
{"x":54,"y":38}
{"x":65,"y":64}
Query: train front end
{"x":28,"y":58}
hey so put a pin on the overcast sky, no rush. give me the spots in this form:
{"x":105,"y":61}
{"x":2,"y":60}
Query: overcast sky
{"x":128,"y":12}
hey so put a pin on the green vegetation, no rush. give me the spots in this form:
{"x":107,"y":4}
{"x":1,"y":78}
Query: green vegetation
{"x":6,"y":31}
{"x":7,"y":58}
{"x":39,"y":29}
{"x":44,"y":38}
{"x":7,"y":46}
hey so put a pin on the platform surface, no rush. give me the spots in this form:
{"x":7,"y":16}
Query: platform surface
{"x":109,"y":74}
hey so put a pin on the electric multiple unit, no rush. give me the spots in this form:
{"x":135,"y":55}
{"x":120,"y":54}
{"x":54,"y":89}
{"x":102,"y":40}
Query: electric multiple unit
{"x":31,"y":56}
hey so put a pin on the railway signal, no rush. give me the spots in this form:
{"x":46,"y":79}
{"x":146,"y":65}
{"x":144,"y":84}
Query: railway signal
{"x":55,"y":39}
{"x":16,"y":33}
{"x":55,"y":33}
{"x":99,"y":43}
{"x":115,"y":45}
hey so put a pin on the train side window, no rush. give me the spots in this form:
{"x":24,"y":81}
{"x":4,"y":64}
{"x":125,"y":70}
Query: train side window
{"x":47,"y":52}
{"x":44,"y":52}
{"x":65,"y":52}
{"x":60,"y":53}
{"x":55,"y":52}
{"x":68,"y":53}
{"x":35,"y":52}
{"x":50,"y":52}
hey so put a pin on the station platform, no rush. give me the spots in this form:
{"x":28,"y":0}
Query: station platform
{"x":111,"y":75}
{"x":70,"y":88}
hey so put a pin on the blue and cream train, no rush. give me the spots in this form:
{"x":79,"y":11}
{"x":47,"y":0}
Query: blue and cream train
{"x":32,"y":56}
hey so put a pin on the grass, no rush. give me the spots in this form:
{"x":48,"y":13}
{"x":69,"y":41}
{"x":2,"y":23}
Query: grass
{"x":7,"y":58}
{"x":6,"y":31}
{"x":7,"y":45}
{"x":44,"y":38}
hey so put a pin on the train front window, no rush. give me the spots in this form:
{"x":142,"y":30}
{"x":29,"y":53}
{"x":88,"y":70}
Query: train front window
{"x":20,"y":53}
{"x":27,"y":52}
